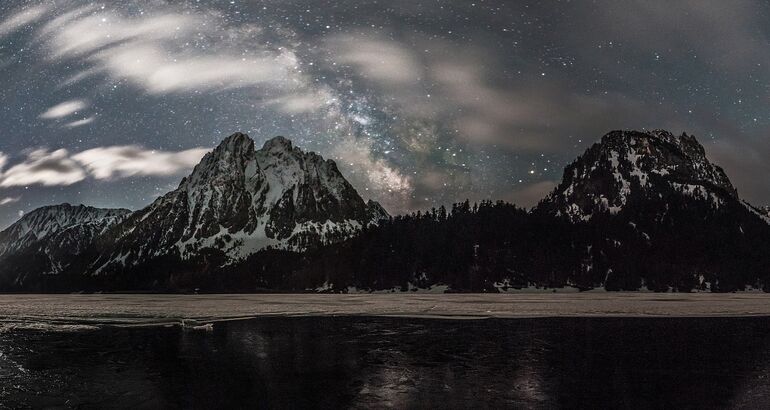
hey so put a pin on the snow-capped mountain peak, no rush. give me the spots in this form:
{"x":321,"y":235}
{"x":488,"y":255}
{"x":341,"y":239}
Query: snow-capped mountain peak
{"x":56,"y":234}
{"x":629,"y":165}
{"x":239,"y":200}
{"x":49,"y":220}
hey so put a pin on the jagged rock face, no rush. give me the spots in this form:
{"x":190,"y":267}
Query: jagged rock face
{"x":654,"y":212}
{"x":58,"y":232}
{"x":240,"y":200}
{"x":631,"y":166}
{"x":377,"y":212}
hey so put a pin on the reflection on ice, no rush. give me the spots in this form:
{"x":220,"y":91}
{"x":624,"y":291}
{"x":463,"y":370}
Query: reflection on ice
{"x":399,"y":362}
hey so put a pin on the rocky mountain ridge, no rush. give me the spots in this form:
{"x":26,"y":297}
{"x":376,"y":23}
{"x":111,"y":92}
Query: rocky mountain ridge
{"x":54,"y":220}
{"x":239,"y":200}
{"x":631,"y":166}
{"x":638,"y":210}
{"x":48,"y":239}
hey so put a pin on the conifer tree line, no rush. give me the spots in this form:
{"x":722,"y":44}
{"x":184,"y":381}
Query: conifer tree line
{"x":478,"y":247}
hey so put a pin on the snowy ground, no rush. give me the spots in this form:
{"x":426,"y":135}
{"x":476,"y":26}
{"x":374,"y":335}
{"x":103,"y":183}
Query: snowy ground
{"x":84,"y":311}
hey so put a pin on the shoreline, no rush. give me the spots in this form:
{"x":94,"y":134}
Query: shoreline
{"x":132,"y":310}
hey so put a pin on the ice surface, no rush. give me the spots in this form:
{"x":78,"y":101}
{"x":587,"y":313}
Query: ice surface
{"x":57,"y":312}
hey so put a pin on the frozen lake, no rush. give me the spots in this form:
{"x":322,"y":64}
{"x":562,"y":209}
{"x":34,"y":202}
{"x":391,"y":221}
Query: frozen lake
{"x":53,"y":311}
{"x":338,"y":362}
{"x":564,"y":350}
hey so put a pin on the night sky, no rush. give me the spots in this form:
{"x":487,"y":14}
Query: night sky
{"x":421,"y":103}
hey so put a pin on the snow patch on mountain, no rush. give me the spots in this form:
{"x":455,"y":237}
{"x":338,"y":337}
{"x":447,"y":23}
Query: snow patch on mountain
{"x":240,"y":200}
{"x":57,"y":233}
{"x":631,"y":164}
{"x":47,"y":221}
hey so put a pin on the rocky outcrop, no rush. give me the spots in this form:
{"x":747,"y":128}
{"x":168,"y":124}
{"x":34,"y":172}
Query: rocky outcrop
{"x":628,"y":167}
{"x":239,"y":200}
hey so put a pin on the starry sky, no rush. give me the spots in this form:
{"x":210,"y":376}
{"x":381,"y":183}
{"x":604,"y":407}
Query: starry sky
{"x":420,"y":103}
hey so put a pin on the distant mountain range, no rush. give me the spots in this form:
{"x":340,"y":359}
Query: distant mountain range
{"x":638,"y":210}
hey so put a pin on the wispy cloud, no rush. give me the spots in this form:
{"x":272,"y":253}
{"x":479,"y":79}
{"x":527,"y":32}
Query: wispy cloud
{"x":149,"y":67}
{"x":80,"y":123}
{"x":64,"y":109}
{"x":9,"y":200}
{"x":304,"y":102}
{"x":43,"y":167}
{"x":155,"y":52}
{"x":21,"y":18}
{"x":82,"y":34}
{"x":377,"y":58}
{"x":61,"y":168}
{"x":130,"y":160}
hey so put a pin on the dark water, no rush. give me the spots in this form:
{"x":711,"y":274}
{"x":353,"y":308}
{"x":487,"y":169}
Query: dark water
{"x":343,"y":362}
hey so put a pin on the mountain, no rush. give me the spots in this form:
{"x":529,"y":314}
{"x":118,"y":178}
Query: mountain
{"x":47,"y":239}
{"x":239,"y":200}
{"x":631,"y":167}
{"x":638,"y":210}
{"x":63,"y":223}
{"x":659,"y":215}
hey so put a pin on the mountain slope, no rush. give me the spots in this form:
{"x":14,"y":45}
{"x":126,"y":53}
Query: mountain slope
{"x":637,"y":211}
{"x":64,"y":222}
{"x":658,"y":214}
{"x":48,"y":239}
{"x":631,"y":167}
{"x":239,"y":200}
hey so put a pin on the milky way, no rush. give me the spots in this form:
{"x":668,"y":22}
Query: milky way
{"x":421,"y":103}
